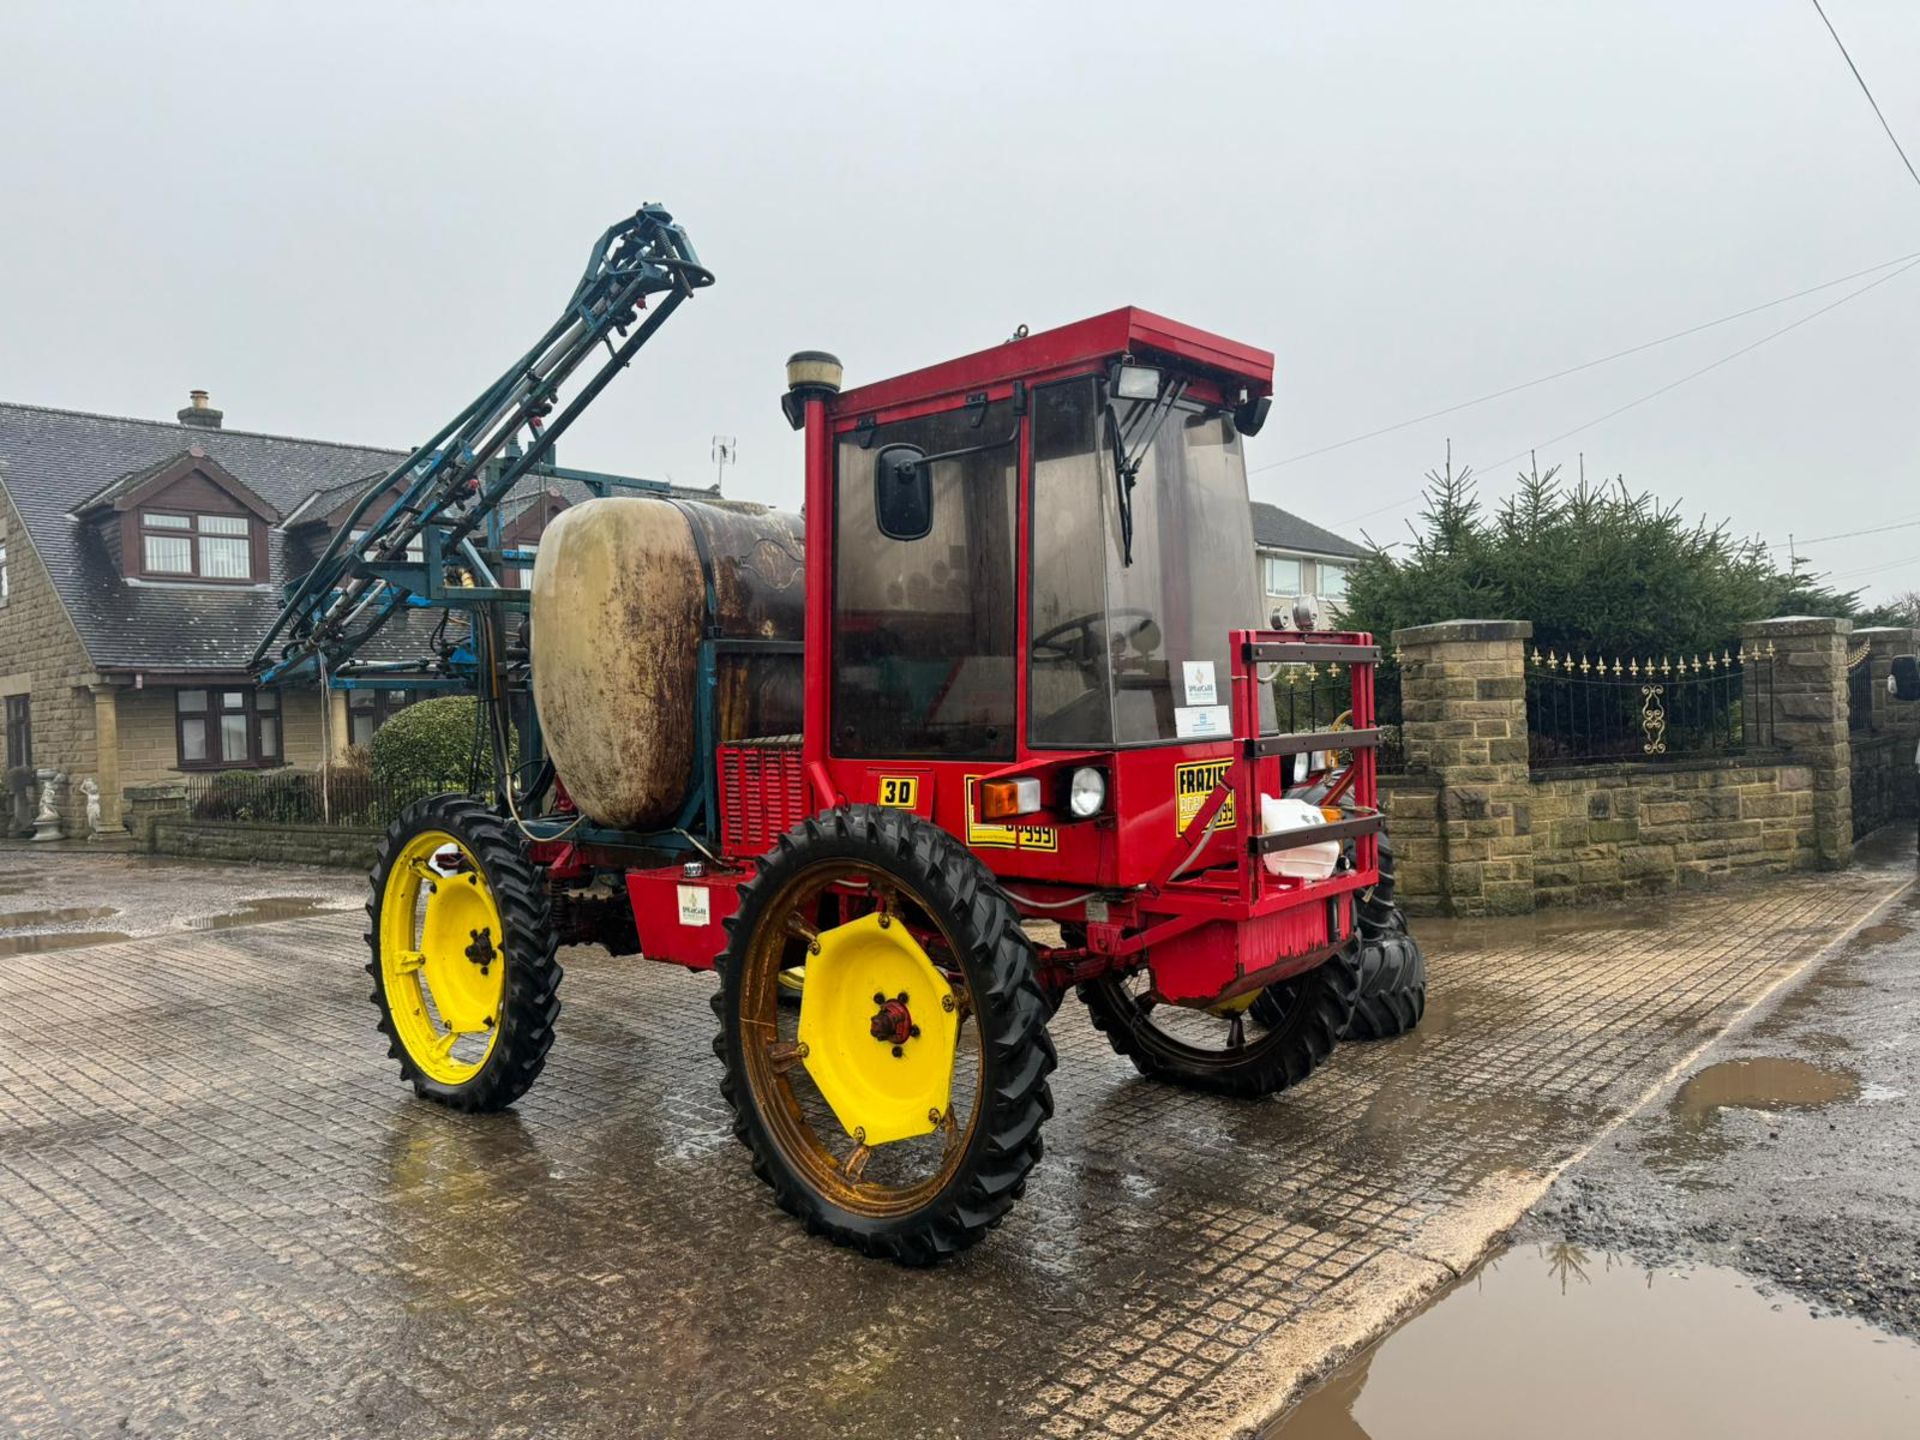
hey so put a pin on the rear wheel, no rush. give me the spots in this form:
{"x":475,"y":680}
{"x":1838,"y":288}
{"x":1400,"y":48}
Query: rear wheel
{"x":897,"y":1109}
{"x":1256,"y":1045}
{"x":462,"y":954}
{"x":1393,"y":988}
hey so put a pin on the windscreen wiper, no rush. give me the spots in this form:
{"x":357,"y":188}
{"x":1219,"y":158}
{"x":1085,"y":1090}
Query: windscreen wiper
{"x":1131,"y":442}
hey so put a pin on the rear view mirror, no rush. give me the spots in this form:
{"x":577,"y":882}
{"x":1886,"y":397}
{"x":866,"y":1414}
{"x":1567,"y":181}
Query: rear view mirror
{"x":903,"y":492}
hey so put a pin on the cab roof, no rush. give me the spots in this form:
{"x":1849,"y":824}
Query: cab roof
{"x":1126,"y":331}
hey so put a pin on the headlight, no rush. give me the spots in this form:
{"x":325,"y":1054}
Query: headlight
{"x":1086,"y":792}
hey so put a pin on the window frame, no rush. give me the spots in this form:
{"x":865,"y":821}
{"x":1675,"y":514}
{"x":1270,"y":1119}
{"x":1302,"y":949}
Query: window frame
{"x":258,"y":757}
{"x":1320,"y":580}
{"x":6,"y":581}
{"x":18,"y":725}
{"x":1267,"y":559}
{"x":380,"y":704}
{"x":194,"y":535}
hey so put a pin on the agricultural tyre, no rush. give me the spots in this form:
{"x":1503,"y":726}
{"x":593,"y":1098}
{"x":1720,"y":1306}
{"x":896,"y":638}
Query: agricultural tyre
{"x":1375,"y":912}
{"x":1262,"y":1044}
{"x":920,"y":1003}
{"x":1393,"y":988}
{"x":462,"y":947}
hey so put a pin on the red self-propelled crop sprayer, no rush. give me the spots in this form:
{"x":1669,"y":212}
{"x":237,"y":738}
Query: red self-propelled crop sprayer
{"x":995,"y":723}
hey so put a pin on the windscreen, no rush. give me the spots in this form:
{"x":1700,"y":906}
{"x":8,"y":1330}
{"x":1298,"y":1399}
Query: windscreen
{"x":1132,"y":649}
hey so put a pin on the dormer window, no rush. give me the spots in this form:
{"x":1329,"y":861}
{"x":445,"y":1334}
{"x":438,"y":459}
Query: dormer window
{"x":196,"y":547}
{"x":187,"y":519}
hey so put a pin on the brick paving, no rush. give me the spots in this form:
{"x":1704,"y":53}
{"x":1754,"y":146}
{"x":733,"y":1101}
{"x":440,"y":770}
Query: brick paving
{"x":221,"y":1215}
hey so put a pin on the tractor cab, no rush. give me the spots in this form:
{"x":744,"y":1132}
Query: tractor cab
{"x":1026,"y":567}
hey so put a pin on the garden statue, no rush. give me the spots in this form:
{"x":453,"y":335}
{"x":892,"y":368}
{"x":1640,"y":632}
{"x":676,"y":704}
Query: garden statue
{"x":46,"y":825}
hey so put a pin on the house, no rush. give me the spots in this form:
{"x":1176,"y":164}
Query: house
{"x":1296,"y":557}
{"x":140,"y":563}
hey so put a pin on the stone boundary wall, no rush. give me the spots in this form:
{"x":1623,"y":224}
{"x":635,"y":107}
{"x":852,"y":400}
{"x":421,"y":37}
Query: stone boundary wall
{"x":1477,"y":832}
{"x":1607,"y":832}
{"x":331,"y":845}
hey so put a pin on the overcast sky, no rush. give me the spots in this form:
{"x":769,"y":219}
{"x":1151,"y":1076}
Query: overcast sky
{"x":344,"y":222}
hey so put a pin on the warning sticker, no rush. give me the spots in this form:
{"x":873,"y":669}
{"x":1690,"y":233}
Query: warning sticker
{"x":1007,"y":837}
{"x":1191,"y":786}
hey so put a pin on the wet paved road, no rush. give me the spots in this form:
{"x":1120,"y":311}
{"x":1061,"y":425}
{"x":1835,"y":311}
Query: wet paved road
{"x":1792,"y":1153}
{"x":221,"y":1215}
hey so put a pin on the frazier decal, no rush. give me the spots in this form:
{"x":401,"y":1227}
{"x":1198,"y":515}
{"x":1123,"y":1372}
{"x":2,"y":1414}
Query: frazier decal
{"x":1007,"y":837}
{"x":1191,"y":786}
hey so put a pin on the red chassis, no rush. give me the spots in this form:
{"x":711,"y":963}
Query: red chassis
{"x":1169,"y":873}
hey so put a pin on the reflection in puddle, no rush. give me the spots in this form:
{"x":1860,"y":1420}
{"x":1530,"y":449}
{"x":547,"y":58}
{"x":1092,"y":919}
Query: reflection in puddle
{"x":1553,"y":1340}
{"x":1767,"y":1083}
{"x":58,"y":940}
{"x":261,"y":912}
{"x":28,"y":919}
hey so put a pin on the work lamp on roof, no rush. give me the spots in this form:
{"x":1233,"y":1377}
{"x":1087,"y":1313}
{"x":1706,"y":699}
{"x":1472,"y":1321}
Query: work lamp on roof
{"x":1135,"y":382}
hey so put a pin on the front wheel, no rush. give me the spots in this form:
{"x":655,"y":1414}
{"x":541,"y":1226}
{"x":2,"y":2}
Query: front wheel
{"x":1256,"y":1045}
{"x":462,"y":954}
{"x":897,"y":1108}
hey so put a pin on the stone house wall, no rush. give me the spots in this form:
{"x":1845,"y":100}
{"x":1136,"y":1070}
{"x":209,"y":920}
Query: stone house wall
{"x":41,"y":657}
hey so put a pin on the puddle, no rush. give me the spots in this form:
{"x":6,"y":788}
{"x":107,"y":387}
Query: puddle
{"x":261,"y":912}
{"x":1553,"y":1340}
{"x":28,"y":919}
{"x":1768,"y":1083}
{"x":58,"y":940}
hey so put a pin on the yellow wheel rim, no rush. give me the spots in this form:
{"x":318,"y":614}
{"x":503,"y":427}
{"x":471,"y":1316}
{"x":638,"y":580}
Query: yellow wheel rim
{"x":819,"y":1094}
{"x":443,"y":962}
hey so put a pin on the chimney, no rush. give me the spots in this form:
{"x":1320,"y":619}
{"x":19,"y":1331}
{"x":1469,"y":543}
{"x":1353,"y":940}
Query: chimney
{"x":199,"y":413}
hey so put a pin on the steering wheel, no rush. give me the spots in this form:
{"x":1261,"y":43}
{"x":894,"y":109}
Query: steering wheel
{"x":1083,"y":648}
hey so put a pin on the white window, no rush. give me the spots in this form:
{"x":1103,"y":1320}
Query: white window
{"x":1280,"y":576}
{"x":1333,"y":581}
{"x":6,"y":587}
{"x":209,"y":547}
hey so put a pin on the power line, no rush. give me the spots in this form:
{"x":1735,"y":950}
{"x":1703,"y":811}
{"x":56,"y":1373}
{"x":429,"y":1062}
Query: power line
{"x":1898,"y":148}
{"x":1670,"y":385}
{"x":1584,"y":365}
{"x":1874,"y":569}
{"x":1851,"y":534}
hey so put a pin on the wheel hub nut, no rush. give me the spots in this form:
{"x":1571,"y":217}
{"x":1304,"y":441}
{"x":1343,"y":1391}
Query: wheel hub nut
{"x":892,"y":1022}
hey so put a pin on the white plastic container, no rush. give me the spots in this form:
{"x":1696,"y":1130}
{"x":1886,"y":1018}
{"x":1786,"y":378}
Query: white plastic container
{"x":1303,"y":862}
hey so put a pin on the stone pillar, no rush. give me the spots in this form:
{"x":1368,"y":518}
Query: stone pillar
{"x":1809,"y":686}
{"x":106,"y":741}
{"x":1463,"y":702}
{"x":149,"y":803}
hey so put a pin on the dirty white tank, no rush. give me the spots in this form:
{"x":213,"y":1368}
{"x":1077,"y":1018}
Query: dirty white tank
{"x":620,"y":601}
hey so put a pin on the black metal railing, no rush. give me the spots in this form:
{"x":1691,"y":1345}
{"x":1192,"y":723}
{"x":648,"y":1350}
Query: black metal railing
{"x":1860,"y":690}
{"x":1585,"y":711}
{"x":343,"y":797}
{"x":1310,"y":698}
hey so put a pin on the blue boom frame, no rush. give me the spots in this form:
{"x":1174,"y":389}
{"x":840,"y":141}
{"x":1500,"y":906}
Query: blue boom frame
{"x":450,"y":491}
